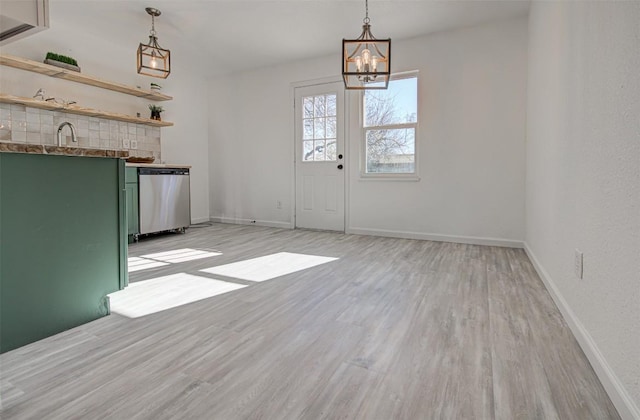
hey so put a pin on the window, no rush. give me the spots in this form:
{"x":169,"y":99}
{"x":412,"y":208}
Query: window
{"x":319,"y":128}
{"x":390,"y":119}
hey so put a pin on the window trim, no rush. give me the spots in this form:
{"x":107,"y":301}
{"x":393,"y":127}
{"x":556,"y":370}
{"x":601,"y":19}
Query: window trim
{"x":389,"y":176}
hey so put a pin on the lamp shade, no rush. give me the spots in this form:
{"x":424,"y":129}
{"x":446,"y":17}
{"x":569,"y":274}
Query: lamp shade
{"x":366,"y":61}
{"x":153,"y":60}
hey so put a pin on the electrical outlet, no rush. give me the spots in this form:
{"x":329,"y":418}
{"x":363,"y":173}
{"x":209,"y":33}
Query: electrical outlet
{"x":125,"y":143}
{"x":134,"y":144}
{"x":279,"y":205}
{"x":578,"y":264}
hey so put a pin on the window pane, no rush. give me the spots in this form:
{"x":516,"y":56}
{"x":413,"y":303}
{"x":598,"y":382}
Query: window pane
{"x":331,"y":127}
{"x":331,"y":105}
{"x":391,"y":151}
{"x":308,"y":129}
{"x":307,"y":152}
{"x":318,"y":131}
{"x":319,"y":106}
{"x":318,"y":151}
{"x":331,"y":150}
{"x":308,"y":107}
{"x":396,"y":105}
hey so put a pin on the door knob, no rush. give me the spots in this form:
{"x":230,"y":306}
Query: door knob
{"x":340,"y":166}
{"x":339,"y":156}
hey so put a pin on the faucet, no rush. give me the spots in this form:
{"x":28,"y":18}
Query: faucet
{"x":73,"y":133}
{"x":39,"y":94}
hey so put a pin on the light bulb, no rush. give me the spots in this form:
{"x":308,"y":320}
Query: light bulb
{"x":359,"y":63}
{"x":374,"y":64}
{"x":153,"y":63}
{"x":366,"y":59}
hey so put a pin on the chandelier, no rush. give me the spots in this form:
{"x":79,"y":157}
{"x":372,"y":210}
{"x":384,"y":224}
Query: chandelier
{"x":366,"y":61}
{"x":152,"y":59}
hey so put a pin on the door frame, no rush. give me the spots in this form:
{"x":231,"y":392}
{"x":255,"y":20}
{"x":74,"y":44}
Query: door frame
{"x":346,"y":150}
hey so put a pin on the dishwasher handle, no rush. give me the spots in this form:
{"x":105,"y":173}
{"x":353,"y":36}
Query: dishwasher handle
{"x":163,"y":171}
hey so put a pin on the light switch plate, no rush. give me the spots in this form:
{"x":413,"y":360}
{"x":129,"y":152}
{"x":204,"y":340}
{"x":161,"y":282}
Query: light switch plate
{"x":134,"y":144}
{"x":578,"y":264}
{"x":125,"y":143}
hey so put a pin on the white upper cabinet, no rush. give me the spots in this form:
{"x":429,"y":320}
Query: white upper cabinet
{"x":21,"y":18}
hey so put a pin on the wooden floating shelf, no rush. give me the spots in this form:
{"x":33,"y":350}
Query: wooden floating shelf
{"x":78,"y":110}
{"x":53,"y":71}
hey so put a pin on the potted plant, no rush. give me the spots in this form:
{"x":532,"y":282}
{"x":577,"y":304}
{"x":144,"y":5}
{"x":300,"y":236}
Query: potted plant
{"x":155,"y":111}
{"x":156,"y":87}
{"x":63,"y":61}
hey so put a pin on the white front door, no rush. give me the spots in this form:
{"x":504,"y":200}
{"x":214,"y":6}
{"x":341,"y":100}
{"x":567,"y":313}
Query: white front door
{"x":319,"y":137}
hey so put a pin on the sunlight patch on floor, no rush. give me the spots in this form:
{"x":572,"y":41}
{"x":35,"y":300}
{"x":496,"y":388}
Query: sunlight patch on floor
{"x":159,"y":259}
{"x":137,"y":263}
{"x":269,"y":266}
{"x":181,"y":255}
{"x":161,"y":293}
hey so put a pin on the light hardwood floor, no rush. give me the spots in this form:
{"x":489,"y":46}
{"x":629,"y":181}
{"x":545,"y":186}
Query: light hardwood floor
{"x":392,"y":329}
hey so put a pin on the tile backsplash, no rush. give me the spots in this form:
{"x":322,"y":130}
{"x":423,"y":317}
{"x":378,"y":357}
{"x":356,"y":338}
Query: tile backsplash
{"x":21,"y":124}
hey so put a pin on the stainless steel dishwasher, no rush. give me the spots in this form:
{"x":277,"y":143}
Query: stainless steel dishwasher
{"x":164,"y":199}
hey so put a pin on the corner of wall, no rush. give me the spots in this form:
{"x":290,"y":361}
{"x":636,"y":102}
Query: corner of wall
{"x":610,"y":381}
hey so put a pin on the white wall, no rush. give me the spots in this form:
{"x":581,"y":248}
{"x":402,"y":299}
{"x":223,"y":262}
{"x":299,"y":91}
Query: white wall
{"x":583,"y":178}
{"x":472,"y":103}
{"x":472,"y":86}
{"x":184,"y":143}
{"x":187,"y":142}
{"x":251,"y":144}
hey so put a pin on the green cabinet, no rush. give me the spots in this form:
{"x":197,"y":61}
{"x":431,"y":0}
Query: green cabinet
{"x":131,"y":189}
{"x":63,"y":243}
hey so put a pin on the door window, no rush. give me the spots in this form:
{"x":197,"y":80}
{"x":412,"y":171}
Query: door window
{"x":319,"y":128}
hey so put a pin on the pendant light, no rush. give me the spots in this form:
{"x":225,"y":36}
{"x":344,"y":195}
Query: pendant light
{"x":152,"y":59}
{"x":366,"y":61}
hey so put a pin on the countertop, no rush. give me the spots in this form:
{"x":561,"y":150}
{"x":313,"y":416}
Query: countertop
{"x":40,"y":149}
{"x":157,"y":165}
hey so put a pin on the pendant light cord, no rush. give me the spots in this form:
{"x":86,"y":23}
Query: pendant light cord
{"x":366,"y":8}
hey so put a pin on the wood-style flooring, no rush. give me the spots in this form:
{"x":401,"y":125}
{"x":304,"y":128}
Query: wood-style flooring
{"x":392,"y":329}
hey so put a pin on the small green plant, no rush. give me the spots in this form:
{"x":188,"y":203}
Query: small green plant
{"x":155,"y":111}
{"x":61,"y":58}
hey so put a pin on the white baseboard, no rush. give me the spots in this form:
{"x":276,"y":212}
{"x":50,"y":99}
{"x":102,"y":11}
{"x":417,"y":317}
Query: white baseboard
{"x":626,"y":407}
{"x":237,"y":221}
{"x":197,"y":220}
{"x":471,"y":240}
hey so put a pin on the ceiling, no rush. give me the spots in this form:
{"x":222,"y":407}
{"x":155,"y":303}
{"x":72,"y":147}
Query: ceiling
{"x":238,"y":35}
